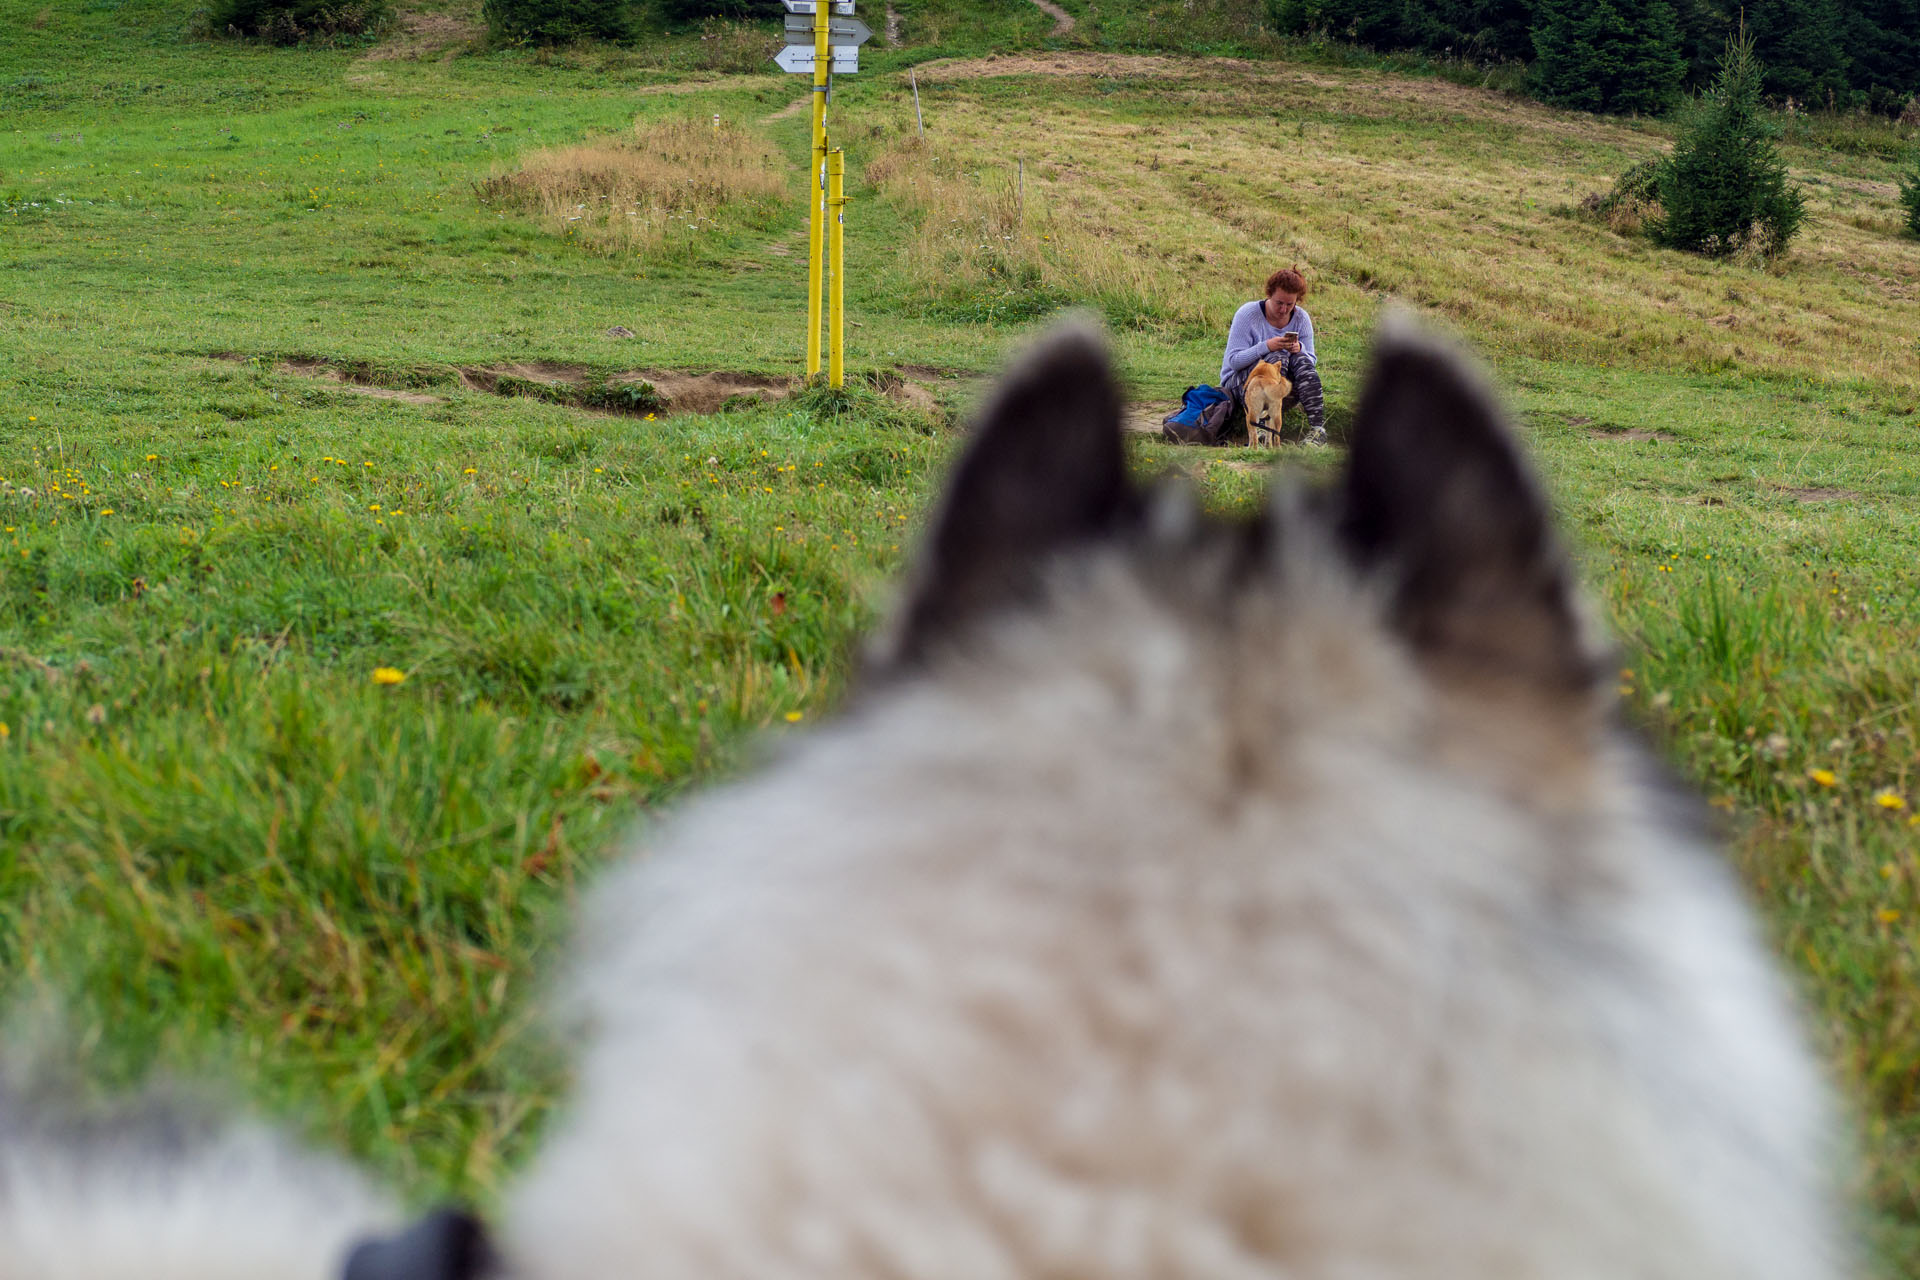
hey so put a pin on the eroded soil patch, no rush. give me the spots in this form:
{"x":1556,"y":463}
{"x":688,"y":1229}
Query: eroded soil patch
{"x":1631,"y":433}
{"x":659,"y":392}
{"x":1818,"y":493}
{"x":656,"y":391}
{"x":361,"y":380}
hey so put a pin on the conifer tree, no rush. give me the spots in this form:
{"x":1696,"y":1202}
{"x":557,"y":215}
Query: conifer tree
{"x":1607,"y":55}
{"x":557,"y":21}
{"x":1910,"y":195}
{"x":1725,"y":188}
{"x":1798,"y":43}
{"x":1883,"y":51}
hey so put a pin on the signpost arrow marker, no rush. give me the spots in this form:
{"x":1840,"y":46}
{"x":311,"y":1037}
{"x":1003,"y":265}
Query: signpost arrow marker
{"x":840,"y":31}
{"x":799,"y":57}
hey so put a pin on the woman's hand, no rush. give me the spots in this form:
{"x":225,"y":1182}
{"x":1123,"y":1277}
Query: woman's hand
{"x":1274,"y":344}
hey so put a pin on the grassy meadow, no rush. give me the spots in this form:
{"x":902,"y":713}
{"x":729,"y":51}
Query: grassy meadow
{"x":373,"y":559}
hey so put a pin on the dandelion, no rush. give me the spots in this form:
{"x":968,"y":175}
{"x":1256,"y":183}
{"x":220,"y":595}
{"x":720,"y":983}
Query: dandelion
{"x":1890,"y":800}
{"x":469,"y":471}
{"x":1887,"y":915}
{"x":5,"y":732}
{"x":153,"y":457}
{"x":793,"y":717}
{"x":106,"y":511}
{"x":389,"y":675}
{"x":1824,"y":777}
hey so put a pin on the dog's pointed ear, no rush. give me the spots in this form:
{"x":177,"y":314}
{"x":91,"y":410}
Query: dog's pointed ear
{"x":1045,"y":471}
{"x":448,"y":1244}
{"x":1438,"y":500}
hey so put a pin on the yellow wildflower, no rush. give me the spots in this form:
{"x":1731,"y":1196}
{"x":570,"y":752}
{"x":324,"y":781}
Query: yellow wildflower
{"x":389,"y":675}
{"x":1890,"y":800}
{"x":5,"y":732}
{"x":793,"y":717}
{"x":1888,"y":915}
{"x":1824,"y":777}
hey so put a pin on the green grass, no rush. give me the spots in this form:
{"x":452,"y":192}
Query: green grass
{"x":224,"y":847}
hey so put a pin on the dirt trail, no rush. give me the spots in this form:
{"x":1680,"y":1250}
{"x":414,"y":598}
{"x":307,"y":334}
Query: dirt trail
{"x":794,"y":108}
{"x":1062,"y":20}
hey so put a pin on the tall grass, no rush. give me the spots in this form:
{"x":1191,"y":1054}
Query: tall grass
{"x":990,"y":244}
{"x":1793,"y":695}
{"x":660,"y":189}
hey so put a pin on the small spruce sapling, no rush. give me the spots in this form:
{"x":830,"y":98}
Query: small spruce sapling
{"x":1910,"y":195}
{"x":1725,"y":189}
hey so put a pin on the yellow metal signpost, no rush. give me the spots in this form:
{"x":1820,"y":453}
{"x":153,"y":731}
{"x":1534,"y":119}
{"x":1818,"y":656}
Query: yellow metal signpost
{"x":834,"y":47}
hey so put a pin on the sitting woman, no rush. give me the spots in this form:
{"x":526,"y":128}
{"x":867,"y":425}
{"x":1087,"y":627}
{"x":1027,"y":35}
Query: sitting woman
{"x":1279,"y":331}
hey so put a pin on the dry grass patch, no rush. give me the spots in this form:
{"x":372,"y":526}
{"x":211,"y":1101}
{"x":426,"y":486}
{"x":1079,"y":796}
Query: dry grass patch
{"x":664,"y":186}
{"x":1162,"y":187}
{"x":997,"y":241}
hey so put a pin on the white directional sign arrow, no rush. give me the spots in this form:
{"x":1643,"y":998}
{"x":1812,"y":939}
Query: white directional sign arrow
{"x":799,"y":57}
{"x":848,"y":31}
{"x":806,"y":6}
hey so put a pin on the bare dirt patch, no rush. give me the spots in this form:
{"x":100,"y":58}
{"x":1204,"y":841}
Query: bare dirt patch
{"x":915,"y":393}
{"x":1146,"y":417}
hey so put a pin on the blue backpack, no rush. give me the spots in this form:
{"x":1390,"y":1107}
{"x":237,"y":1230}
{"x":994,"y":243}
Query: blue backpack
{"x":1201,"y":417}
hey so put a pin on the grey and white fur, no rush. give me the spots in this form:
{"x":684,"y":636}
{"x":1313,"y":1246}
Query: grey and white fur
{"x":1181,"y":897}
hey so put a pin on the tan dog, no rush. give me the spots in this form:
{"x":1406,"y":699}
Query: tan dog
{"x":1267,"y":390}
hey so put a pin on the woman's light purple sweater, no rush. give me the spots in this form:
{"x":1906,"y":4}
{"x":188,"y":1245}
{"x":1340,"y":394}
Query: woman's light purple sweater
{"x":1247,"y":336}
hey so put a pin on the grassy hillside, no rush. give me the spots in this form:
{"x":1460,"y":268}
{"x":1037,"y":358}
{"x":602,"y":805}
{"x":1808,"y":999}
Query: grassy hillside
{"x":289,"y":397}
